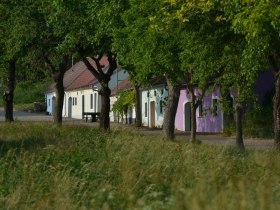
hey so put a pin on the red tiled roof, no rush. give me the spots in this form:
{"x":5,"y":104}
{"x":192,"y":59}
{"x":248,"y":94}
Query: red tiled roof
{"x":79,"y":76}
{"x":73,"y":73}
{"x":86,"y":78}
{"x":82,"y":80}
{"x":123,"y":85}
{"x":70,"y":75}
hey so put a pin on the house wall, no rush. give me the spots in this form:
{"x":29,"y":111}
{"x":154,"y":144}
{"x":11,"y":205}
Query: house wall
{"x":49,"y":97}
{"x":207,"y":122}
{"x":264,"y":85}
{"x":116,"y":78}
{"x":148,"y":98}
{"x":76,"y":106}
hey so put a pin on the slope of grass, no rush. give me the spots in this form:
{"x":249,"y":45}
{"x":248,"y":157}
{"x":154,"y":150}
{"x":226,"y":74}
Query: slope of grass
{"x":47,"y":167}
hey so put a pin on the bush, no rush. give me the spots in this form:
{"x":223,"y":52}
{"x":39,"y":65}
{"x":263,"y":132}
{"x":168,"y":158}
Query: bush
{"x":28,"y":92}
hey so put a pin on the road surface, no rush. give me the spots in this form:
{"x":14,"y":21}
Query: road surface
{"x":26,"y":116}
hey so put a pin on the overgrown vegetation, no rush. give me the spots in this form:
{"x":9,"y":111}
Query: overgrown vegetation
{"x":49,"y":167}
{"x":125,"y":100}
{"x":28,"y":92}
{"x":258,"y":122}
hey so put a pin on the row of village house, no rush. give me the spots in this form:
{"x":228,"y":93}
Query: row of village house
{"x":81,"y":95}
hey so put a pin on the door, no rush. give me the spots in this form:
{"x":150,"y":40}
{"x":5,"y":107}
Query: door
{"x":152,"y":114}
{"x":83,"y":105}
{"x":70,"y":107}
{"x":53,"y":105}
{"x":187,"y":110}
{"x":129,"y":114}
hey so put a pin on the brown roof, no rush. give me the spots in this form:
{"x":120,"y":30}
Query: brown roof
{"x":79,"y":76}
{"x":123,"y":85}
{"x":83,"y":80}
{"x":73,"y":73}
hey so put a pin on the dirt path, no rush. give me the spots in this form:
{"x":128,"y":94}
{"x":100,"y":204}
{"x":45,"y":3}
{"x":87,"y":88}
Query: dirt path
{"x":216,"y":139}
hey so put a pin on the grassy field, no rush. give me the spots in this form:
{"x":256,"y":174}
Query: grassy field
{"x":47,"y":167}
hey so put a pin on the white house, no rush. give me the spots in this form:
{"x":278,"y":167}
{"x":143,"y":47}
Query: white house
{"x":152,"y":105}
{"x":68,"y":79}
{"x":81,"y":96}
{"x":50,"y":99}
{"x":81,"y":91}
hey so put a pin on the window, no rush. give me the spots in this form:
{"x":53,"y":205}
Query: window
{"x":76,"y":101}
{"x":161,"y":91}
{"x":91,"y":101}
{"x":49,"y":101}
{"x":146,"y":109}
{"x":73,"y":102}
{"x":200,"y":109}
{"x":161,"y":104}
{"x":214,"y":107}
{"x":155,"y":93}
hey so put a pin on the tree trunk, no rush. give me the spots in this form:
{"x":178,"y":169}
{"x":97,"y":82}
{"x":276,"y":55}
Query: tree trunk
{"x":193,"y":116}
{"x":105,"y":93}
{"x":170,"y":110}
{"x":59,"y":89}
{"x":8,"y":96}
{"x":138,"y":106}
{"x":239,"y":131}
{"x":276,"y":112}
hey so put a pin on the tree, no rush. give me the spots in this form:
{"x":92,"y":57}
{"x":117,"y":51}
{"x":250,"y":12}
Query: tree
{"x":37,"y":35}
{"x":258,"y":21}
{"x":14,"y":42}
{"x":152,"y":52}
{"x":94,"y":40}
{"x":200,"y":46}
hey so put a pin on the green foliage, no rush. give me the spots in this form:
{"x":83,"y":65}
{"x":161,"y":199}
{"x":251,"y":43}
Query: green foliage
{"x":141,"y":43}
{"x":28,"y":92}
{"x":125,"y":99}
{"x":258,"y":22}
{"x":81,"y":168}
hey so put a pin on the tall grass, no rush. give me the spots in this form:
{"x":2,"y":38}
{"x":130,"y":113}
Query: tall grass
{"x":69,"y":167}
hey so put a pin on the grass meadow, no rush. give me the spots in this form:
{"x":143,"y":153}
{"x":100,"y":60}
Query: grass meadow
{"x":77,"y":167}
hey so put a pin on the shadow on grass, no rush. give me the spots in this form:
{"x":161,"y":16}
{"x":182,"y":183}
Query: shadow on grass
{"x":27,"y":144}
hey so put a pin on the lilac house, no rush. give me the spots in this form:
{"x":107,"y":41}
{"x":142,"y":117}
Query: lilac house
{"x":209,"y":115}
